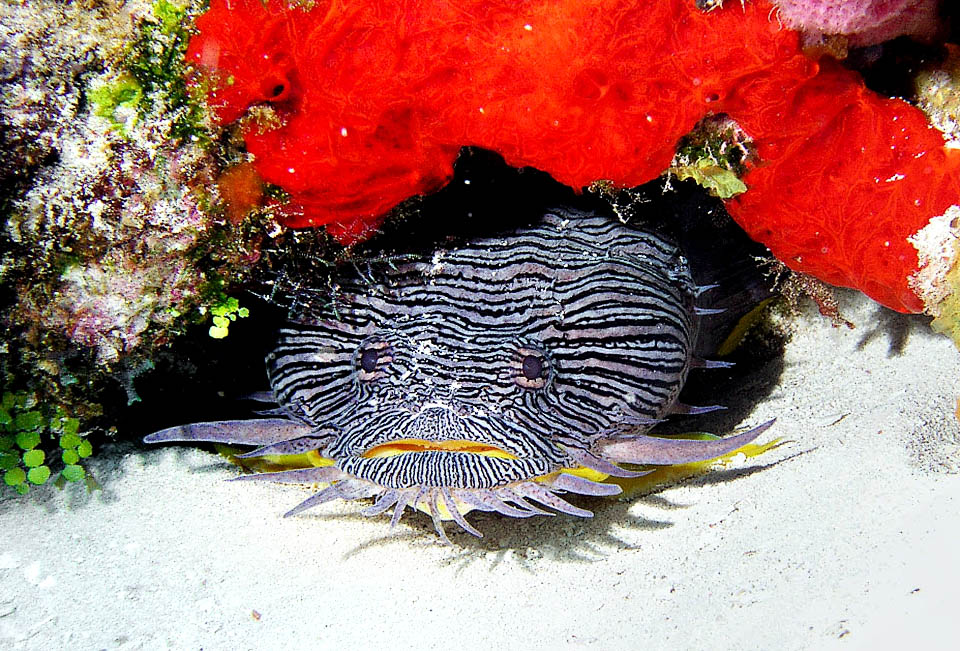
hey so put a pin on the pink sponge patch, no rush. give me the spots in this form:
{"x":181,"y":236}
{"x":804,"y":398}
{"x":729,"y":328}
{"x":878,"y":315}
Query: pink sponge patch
{"x":865,"y":22}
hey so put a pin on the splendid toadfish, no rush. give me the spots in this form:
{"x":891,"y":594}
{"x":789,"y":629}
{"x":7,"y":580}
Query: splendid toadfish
{"x":502,"y":374}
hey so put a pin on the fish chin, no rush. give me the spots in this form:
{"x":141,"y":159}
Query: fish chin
{"x":519,"y":499}
{"x":454,"y":466}
{"x":444,"y":467}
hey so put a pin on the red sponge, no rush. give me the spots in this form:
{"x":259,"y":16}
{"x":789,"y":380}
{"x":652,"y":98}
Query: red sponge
{"x":373,"y":99}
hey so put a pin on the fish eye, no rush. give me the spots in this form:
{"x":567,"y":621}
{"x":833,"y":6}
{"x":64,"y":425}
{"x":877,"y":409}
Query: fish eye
{"x":368,"y":359}
{"x":531,"y":368}
{"x":371,"y":359}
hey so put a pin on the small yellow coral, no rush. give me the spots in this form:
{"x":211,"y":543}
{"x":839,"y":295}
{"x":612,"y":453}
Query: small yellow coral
{"x":948,"y":320}
{"x":937,"y":280}
{"x":938,"y":94}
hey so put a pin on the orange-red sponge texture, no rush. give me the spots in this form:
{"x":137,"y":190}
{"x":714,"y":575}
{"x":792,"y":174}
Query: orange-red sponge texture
{"x":374,"y":98}
{"x":840,"y":203}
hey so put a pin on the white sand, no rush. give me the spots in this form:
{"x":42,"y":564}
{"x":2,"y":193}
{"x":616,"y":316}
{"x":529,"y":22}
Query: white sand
{"x":842,"y":538}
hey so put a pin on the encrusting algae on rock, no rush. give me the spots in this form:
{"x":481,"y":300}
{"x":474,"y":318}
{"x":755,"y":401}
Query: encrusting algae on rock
{"x":937,"y":280}
{"x":117,"y":178}
{"x":114,"y":236}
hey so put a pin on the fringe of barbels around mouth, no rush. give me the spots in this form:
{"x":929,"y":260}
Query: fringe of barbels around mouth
{"x":442,"y":502}
{"x":521,"y":499}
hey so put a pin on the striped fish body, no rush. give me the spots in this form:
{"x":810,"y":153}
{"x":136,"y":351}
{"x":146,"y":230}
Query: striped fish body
{"x":494,"y":375}
{"x":532,"y":344}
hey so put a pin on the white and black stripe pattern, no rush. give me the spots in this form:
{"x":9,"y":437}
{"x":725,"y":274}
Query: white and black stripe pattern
{"x":605,"y":311}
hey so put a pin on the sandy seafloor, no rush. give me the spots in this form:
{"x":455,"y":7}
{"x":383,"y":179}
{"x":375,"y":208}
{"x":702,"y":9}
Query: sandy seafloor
{"x":844,"y":537}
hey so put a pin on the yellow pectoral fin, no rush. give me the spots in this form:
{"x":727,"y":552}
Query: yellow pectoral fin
{"x":580,"y":471}
{"x":668,"y":475}
{"x":742,"y":327}
{"x":275,"y":462}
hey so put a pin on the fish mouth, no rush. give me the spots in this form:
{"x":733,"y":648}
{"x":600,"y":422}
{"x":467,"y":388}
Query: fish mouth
{"x":457,"y":464}
{"x":438,"y":428}
{"x":440,"y":446}
{"x":407,"y":446}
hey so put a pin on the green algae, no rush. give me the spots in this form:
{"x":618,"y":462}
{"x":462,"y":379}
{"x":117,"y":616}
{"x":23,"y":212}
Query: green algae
{"x":36,"y":440}
{"x":718,"y":181}
{"x":108,"y":100}
{"x":157,"y":61}
{"x":715,"y":156}
{"x":225,"y":312}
